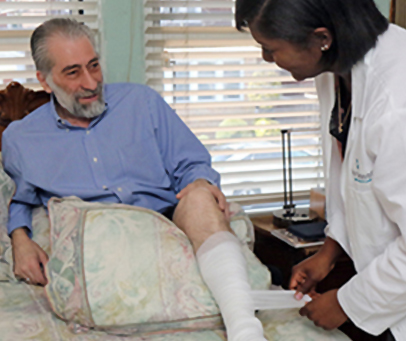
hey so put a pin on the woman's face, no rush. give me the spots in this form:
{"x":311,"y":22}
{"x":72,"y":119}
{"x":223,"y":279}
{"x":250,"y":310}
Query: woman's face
{"x":301,"y":62}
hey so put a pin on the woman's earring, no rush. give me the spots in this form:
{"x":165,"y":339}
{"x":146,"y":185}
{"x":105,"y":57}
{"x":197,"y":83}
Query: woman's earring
{"x":324,"y":48}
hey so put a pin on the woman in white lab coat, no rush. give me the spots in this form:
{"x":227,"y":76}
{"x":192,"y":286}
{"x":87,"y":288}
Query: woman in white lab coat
{"x":360,"y":61}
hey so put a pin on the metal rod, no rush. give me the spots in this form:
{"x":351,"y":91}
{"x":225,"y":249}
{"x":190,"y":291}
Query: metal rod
{"x":285,"y":192}
{"x":290,"y":171}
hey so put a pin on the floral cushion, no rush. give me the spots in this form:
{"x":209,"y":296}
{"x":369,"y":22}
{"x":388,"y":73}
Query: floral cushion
{"x":130,"y":270}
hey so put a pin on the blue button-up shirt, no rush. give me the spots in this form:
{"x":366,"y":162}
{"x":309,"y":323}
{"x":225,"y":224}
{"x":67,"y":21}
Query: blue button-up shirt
{"x":138,"y":152}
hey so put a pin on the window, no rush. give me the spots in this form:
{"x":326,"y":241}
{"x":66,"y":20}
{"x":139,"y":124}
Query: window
{"x":18,"y":19}
{"x":215,"y":79}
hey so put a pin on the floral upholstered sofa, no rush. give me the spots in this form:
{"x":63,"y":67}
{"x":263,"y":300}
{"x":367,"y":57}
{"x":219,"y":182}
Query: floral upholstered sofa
{"x":28,"y":312}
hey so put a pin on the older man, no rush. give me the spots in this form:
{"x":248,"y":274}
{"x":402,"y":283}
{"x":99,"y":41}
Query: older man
{"x":118,"y":143}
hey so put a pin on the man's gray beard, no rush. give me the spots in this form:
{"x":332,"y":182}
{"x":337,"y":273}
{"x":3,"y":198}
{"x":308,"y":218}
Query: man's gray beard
{"x":71,"y":102}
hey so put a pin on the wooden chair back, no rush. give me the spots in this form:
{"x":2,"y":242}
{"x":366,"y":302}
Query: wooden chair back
{"x":16,"y":102}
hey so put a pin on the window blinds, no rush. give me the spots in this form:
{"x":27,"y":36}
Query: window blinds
{"x":215,"y":79}
{"x":18,"y":19}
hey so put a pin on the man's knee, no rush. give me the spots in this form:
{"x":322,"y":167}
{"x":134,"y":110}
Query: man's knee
{"x":198,"y":207}
{"x":198,"y":198}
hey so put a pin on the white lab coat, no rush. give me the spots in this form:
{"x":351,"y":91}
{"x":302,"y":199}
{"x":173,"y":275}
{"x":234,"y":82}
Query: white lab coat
{"x":366,"y":193}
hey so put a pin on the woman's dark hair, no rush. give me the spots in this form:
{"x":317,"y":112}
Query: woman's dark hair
{"x":354,"y":24}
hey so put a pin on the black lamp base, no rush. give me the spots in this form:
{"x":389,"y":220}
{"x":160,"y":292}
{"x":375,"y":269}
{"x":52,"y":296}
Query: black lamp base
{"x":284,"y":218}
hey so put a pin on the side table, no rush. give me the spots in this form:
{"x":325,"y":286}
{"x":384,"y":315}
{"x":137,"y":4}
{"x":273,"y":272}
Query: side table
{"x":271,"y":250}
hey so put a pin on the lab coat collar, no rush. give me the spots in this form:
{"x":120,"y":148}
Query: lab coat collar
{"x":359,"y":75}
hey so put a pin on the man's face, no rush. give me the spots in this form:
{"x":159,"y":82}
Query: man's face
{"x":76,"y":78}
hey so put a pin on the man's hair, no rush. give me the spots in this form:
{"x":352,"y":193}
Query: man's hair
{"x":68,"y":28}
{"x":354,"y":24}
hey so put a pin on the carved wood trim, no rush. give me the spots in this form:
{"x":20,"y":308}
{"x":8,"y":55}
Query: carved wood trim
{"x":16,"y":102}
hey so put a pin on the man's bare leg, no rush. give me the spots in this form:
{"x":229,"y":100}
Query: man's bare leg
{"x":221,"y":262}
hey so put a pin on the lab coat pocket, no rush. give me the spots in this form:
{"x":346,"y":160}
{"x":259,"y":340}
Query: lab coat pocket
{"x":369,"y":233}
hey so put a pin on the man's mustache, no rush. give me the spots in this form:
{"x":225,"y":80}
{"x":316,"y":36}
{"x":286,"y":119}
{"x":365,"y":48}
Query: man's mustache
{"x":89,"y":93}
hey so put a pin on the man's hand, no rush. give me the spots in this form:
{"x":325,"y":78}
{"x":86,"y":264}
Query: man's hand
{"x":217,"y":194}
{"x":29,"y":258}
{"x":325,"y":311}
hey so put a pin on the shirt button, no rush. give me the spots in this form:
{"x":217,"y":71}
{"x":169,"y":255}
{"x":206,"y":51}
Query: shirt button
{"x":67,"y":130}
{"x":119,"y":189}
{"x":95,"y":159}
{"x":87,"y":132}
{"x":104,"y":187}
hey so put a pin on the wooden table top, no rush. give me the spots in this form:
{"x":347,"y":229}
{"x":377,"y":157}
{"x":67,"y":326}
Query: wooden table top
{"x":264,"y":226}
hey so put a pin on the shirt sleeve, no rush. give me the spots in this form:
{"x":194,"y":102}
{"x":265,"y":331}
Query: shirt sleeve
{"x":20,"y":212}
{"x":184,"y":156}
{"x":375,"y":299}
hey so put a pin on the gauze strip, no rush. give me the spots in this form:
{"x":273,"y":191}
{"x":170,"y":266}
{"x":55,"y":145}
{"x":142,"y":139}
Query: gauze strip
{"x":277,"y":299}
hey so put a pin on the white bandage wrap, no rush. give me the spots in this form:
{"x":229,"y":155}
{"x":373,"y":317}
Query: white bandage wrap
{"x":223,"y":267}
{"x":277,"y":299}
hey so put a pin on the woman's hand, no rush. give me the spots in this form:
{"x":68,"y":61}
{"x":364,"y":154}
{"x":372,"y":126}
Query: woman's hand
{"x":325,"y":311}
{"x":29,"y":258}
{"x":312,"y":270}
{"x":308,"y":273}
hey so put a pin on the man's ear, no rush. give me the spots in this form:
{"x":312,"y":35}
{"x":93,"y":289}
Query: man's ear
{"x":42,"y":79}
{"x":322,"y":38}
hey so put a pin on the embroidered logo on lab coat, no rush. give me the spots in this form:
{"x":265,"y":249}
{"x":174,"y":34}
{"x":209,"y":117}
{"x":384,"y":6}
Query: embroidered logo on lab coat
{"x":360,"y":176}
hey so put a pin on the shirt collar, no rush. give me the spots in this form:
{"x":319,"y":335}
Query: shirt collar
{"x":63,"y":124}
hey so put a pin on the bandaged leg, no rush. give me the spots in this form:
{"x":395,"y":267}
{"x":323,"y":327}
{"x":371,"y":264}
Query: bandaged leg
{"x":223,"y":267}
